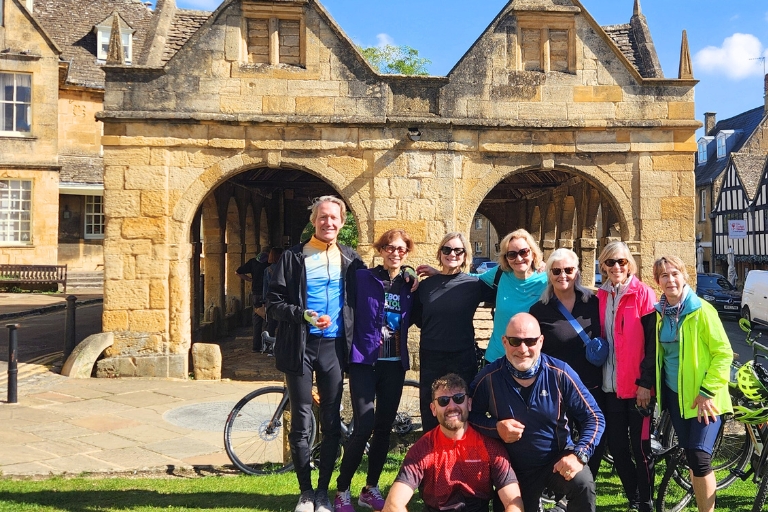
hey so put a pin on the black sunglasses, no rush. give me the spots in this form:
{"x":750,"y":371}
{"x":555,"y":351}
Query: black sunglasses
{"x":458,"y":398}
{"x":516,"y":342}
{"x":458,"y":251}
{"x":510,"y":255}
{"x":557,"y":271}
{"x":390,"y":249}
{"x":621,"y":261}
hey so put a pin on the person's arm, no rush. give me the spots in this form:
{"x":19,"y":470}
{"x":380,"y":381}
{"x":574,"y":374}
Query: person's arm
{"x":480,"y":416}
{"x":278,"y":306}
{"x":510,"y":497}
{"x":581,"y":406}
{"x":647,"y":380}
{"x":716,"y":379}
{"x":398,"y":497}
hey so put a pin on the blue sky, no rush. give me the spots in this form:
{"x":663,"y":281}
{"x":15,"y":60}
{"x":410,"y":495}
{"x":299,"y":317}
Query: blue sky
{"x":724,"y":37}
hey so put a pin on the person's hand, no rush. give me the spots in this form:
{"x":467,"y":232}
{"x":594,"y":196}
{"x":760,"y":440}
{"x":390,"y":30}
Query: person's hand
{"x":706,"y":409}
{"x":409,"y":274}
{"x":321,"y":322}
{"x":426,"y":271}
{"x":568,"y":466}
{"x":510,"y":430}
{"x":643,"y":396}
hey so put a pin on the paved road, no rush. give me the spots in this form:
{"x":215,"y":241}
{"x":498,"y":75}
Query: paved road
{"x":40,"y":335}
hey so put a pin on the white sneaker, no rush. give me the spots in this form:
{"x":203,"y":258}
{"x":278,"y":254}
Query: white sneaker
{"x":306,"y":502}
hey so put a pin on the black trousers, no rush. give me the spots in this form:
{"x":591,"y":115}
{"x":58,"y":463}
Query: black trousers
{"x":258,"y":322}
{"x":322,"y":357}
{"x":580,"y":490}
{"x":382,"y":383}
{"x":435,"y":364}
{"x":629,"y":439}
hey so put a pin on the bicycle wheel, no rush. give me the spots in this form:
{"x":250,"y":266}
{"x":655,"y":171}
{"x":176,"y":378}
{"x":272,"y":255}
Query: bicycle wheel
{"x":408,"y":417}
{"x":255,"y":436}
{"x":673,"y":495}
{"x":762,"y":494}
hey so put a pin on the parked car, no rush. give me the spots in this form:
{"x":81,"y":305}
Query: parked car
{"x":486,"y":266}
{"x":476,"y":262}
{"x":754,"y":302}
{"x":715,"y":289}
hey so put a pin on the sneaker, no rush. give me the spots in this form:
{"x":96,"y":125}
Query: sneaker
{"x":306,"y":502}
{"x":343,"y":502}
{"x":370,"y":497}
{"x":322,"y":503}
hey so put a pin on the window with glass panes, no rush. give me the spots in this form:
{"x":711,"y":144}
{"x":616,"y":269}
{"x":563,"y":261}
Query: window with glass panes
{"x":16,"y":211}
{"x":94,"y":217}
{"x":15,"y":102}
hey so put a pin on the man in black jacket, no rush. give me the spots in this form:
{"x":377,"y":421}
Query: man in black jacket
{"x":253,"y":272}
{"x":309,"y":298}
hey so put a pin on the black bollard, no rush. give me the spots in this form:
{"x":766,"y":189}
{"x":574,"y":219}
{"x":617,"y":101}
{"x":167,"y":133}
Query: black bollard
{"x":13,"y":364}
{"x":69,"y":327}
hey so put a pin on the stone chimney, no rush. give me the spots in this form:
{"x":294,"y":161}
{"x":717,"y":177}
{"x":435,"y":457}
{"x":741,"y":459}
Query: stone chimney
{"x":709,"y":122}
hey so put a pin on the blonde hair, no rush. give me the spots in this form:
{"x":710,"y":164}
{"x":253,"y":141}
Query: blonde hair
{"x":327,"y":199}
{"x":614,"y":251}
{"x":538,"y":256}
{"x":447,"y":238}
{"x":675,"y":261}
{"x":559,"y":255}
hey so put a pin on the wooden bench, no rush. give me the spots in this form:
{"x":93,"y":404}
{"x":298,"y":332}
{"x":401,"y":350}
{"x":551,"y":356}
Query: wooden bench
{"x":33,"y":274}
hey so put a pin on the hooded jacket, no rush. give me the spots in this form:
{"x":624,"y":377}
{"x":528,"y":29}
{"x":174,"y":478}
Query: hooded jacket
{"x":628,"y":335}
{"x":705,"y":356}
{"x":287,"y":301}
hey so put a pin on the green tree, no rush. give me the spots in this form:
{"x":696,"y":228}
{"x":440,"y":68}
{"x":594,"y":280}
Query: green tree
{"x":347,"y":235}
{"x":401,"y":60}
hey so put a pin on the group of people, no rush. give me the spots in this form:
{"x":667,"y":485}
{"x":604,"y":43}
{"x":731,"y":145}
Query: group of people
{"x":508,"y":432}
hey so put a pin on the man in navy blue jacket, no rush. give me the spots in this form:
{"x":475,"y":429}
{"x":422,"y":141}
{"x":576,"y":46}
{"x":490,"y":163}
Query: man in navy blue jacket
{"x":525,"y":399}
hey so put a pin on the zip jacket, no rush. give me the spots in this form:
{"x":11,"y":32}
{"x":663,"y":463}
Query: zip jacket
{"x":286,"y":303}
{"x":557,"y":394}
{"x":705,"y":356}
{"x":370,"y":318}
{"x":628,"y":335}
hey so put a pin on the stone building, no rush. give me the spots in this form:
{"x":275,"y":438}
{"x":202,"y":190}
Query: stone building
{"x":213,"y":149}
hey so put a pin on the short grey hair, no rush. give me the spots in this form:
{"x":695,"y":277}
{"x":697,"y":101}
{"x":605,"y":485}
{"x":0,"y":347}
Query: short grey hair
{"x":327,"y":199}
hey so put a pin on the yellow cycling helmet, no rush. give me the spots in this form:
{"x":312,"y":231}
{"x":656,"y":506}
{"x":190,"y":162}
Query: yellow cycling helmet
{"x":752,"y":379}
{"x":747,"y":415}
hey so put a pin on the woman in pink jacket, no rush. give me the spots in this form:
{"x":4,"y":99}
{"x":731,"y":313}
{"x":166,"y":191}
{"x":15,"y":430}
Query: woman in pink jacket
{"x":623,"y":300}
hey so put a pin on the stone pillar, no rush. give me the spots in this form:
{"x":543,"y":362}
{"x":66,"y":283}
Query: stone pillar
{"x":588,"y":247}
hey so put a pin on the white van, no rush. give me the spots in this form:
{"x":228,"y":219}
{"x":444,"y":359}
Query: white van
{"x":754,"y":300}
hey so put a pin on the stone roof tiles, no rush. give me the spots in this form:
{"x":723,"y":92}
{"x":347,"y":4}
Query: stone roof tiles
{"x":185,"y":23}
{"x":81,"y":169}
{"x":750,"y":171}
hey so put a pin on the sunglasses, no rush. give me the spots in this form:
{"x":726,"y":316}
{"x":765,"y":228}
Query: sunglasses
{"x":516,"y":342}
{"x":390,"y":249}
{"x":458,"y":399}
{"x":510,"y":255}
{"x":458,"y":251}
{"x":621,"y":261}
{"x":557,"y":271}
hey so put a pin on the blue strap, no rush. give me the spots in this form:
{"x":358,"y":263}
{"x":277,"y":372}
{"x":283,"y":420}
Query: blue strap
{"x":576,"y":325}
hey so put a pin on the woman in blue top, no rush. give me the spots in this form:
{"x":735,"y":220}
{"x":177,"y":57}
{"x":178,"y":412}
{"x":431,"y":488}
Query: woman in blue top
{"x":519,"y":286}
{"x":378,"y":362}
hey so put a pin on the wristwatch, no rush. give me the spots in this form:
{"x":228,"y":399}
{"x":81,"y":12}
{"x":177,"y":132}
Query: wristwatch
{"x":581,"y":456}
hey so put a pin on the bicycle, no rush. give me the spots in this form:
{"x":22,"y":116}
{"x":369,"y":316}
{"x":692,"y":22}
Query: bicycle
{"x":256,"y":430}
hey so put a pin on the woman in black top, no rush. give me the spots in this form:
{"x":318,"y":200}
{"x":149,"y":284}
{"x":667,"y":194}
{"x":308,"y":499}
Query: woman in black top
{"x":445,"y":313}
{"x":560,"y":338}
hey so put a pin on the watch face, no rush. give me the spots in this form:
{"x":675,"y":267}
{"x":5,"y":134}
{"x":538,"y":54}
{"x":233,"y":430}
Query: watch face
{"x":582,"y":458}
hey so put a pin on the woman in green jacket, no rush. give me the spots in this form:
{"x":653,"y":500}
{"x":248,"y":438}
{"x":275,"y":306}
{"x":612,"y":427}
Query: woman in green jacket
{"x":688,"y":359}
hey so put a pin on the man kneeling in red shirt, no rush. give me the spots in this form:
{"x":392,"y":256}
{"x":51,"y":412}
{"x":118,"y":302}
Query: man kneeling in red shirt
{"x":454,"y":466}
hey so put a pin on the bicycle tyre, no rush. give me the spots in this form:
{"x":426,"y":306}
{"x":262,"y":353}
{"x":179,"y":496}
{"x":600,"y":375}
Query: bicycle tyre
{"x":762,"y":494}
{"x":253,"y":441}
{"x":408,"y":417}
{"x":672,"y":495}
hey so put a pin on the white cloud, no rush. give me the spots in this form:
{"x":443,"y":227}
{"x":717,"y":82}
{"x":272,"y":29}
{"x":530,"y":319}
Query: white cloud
{"x":384,"y":40}
{"x":736,"y":58}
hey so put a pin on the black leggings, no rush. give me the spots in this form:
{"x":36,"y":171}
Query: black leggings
{"x":382,"y":382}
{"x":321,"y":356}
{"x":436,"y":364}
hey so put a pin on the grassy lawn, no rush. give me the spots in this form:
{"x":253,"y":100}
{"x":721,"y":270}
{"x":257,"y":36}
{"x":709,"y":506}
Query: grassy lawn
{"x":227,"y":491}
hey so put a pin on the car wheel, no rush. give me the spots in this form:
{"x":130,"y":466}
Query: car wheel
{"x":745,"y":313}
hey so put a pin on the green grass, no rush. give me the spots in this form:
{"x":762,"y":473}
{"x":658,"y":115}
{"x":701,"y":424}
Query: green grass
{"x":214,"y":491}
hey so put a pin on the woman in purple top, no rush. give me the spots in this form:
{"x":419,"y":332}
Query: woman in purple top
{"x":378,"y":362}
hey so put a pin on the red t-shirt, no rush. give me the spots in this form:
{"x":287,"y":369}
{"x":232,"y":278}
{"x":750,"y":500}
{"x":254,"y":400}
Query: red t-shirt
{"x":450,"y":472}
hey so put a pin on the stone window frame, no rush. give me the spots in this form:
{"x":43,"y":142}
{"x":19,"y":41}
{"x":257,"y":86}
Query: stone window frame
{"x":721,"y":146}
{"x":14,"y":103}
{"x":94,"y":221}
{"x":16,"y":211}
{"x":274,"y":14}
{"x":545,"y":23}
{"x":478,"y":247}
{"x":103,"y":34}
{"x":478,"y":223}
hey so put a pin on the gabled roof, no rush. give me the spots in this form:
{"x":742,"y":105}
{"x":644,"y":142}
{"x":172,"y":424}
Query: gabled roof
{"x":185,"y":23}
{"x":750,"y":170}
{"x":70,"y":23}
{"x":743,"y":125}
{"x":625,"y":39}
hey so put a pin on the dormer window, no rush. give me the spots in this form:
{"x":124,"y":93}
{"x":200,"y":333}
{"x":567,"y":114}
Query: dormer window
{"x":720,"y":146}
{"x":273,"y":35}
{"x":103,"y":34}
{"x":543,"y":44}
{"x":702,"y":152}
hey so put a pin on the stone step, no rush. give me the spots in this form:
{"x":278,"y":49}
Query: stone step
{"x":85,"y":279}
